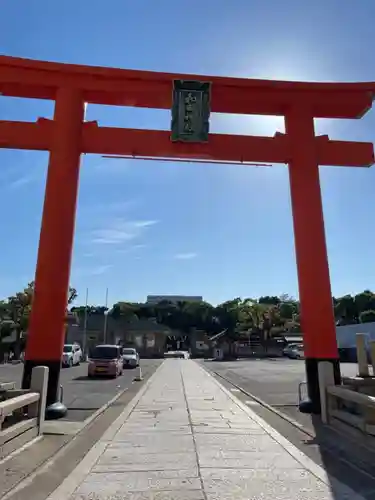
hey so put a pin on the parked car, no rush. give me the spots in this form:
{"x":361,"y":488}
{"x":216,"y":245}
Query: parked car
{"x":72,"y":355}
{"x":130,"y":358}
{"x":289,"y":348}
{"x":294,"y":351}
{"x":183,"y":354}
{"x":105,"y":360}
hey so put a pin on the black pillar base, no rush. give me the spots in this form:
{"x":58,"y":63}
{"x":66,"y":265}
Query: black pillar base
{"x":53,"y":389}
{"x":312,"y":404}
{"x":55,"y":411}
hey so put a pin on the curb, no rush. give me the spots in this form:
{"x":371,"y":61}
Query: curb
{"x":342,"y":490}
{"x":80,"y":425}
{"x":282,"y":415}
{"x":77,"y":476}
{"x":27,"y":480}
{"x":266,"y":405}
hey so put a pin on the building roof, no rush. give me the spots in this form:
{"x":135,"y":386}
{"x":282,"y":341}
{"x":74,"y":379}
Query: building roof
{"x":218,"y":335}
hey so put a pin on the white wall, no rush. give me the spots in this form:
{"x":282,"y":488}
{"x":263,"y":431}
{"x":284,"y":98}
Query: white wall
{"x":346,"y":334}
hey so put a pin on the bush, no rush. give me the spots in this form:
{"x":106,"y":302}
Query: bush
{"x":367,"y":316}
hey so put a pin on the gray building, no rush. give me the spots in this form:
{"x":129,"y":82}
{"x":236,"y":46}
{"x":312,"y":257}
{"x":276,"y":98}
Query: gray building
{"x":147,"y":336}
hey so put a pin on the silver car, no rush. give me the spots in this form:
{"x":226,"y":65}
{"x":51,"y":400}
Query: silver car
{"x":294,"y":351}
{"x":130,"y":358}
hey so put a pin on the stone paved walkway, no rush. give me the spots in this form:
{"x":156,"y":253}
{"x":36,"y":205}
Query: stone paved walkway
{"x":185,"y":437}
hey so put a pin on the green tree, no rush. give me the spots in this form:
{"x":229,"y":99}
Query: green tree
{"x":17,"y":310}
{"x":288,"y":310}
{"x":269,"y":300}
{"x":346,"y":310}
{"x":229,"y":315}
{"x":238,"y":317}
{"x":364,"y":301}
{"x":72,"y":294}
{"x":367,"y":316}
{"x":124,"y":311}
{"x":19,"y":307}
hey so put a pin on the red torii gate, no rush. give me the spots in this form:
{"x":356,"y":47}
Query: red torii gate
{"x":67,"y":136}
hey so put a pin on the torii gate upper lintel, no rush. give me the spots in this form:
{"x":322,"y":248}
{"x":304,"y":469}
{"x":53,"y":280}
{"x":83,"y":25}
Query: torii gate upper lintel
{"x":68,"y":135}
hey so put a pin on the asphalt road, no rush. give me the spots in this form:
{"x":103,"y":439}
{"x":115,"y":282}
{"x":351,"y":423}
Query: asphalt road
{"x":83,"y":396}
{"x":273,"y":380}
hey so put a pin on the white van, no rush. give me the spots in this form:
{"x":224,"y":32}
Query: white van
{"x":72,"y":355}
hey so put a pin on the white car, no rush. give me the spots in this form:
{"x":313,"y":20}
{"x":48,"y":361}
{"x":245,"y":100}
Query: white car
{"x":130,"y":358}
{"x":72,"y":355}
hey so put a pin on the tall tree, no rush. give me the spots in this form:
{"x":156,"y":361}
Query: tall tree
{"x":17,"y":310}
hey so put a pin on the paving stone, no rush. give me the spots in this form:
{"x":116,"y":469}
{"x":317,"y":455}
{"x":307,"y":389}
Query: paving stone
{"x":114,"y":455}
{"x":167,"y":447}
{"x":227,"y":431}
{"x":145,"y":495}
{"x":280,"y":484}
{"x":191,"y":441}
{"x":217,"y":424}
{"x":246,"y":460}
{"x":116,"y":462}
{"x":156,"y":429}
{"x":152,"y":440}
{"x":121,"y":483}
{"x":234,"y":440}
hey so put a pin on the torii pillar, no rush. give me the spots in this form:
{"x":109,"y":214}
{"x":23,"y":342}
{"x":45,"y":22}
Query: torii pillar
{"x":47,"y":319}
{"x":316,"y":308}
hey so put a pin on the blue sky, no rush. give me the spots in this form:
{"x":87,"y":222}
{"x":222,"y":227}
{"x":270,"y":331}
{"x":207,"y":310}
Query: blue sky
{"x":156,"y":228}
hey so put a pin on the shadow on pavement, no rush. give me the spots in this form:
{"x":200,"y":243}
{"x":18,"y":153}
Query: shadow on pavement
{"x":344,"y":459}
{"x":267,"y":391}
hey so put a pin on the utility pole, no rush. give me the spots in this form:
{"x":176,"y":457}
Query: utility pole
{"x":105,"y":317}
{"x":84,"y":342}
